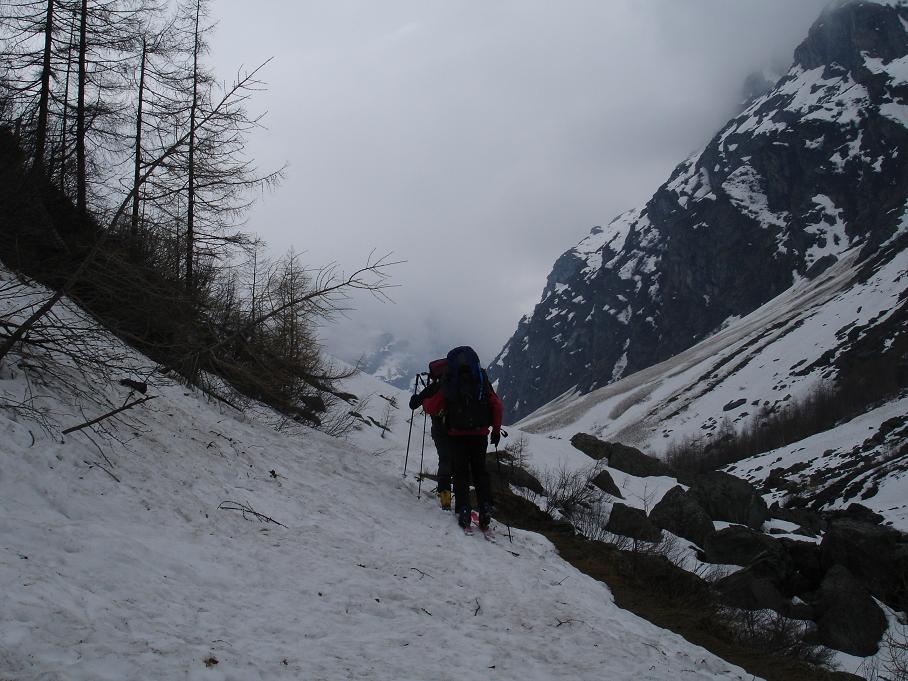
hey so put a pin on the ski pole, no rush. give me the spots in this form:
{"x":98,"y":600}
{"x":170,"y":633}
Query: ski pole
{"x":502,"y":480}
{"x":421,"y":455}
{"x":412,"y":413}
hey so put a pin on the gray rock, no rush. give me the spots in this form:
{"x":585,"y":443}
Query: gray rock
{"x":593,"y":447}
{"x":621,"y":457}
{"x":520,"y":477}
{"x":857,"y":512}
{"x":679,"y":513}
{"x":808,"y":520}
{"x":808,"y":568}
{"x":634,"y":462}
{"x":605,"y":482}
{"x":633,"y":523}
{"x":847,"y":617}
{"x":875,"y":554}
{"x":749,"y":591}
{"x":725,"y":497}
{"x":738,"y":545}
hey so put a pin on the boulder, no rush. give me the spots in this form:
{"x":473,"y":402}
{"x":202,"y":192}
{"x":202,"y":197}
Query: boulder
{"x":847,"y":617}
{"x":808,"y":567}
{"x":633,"y":523}
{"x":679,"y":513}
{"x":634,"y":462}
{"x":725,"y":497}
{"x":510,"y":474}
{"x":875,"y":554}
{"x":857,"y":512}
{"x":520,"y":477}
{"x":621,"y":457}
{"x":593,"y":447}
{"x":747,"y":590}
{"x":808,"y":520}
{"x":739,"y":545}
{"x":604,"y":482}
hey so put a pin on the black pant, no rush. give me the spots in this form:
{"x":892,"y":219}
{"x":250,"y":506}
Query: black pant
{"x":469,"y":461}
{"x":445,"y":453}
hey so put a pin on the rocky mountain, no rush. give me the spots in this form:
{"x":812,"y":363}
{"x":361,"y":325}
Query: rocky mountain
{"x":812,"y":170}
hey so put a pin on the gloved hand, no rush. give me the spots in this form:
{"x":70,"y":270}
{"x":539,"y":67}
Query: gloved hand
{"x":415,"y":402}
{"x":495,"y":437}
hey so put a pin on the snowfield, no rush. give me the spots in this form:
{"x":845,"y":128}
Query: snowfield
{"x":117,"y":563}
{"x":762,"y":360}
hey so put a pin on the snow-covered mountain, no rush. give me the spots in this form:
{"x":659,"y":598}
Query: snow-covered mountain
{"x":392,"y":360}
{"x":814,"y":173}
{"x":184,"y":538}
{"x":776,"y":355}
{"x":396,"y":361}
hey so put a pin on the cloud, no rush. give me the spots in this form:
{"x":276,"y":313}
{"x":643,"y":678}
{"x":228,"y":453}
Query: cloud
{"x":479,"y":140}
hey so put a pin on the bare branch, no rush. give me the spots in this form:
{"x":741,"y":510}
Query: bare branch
{"x":108,"y":415}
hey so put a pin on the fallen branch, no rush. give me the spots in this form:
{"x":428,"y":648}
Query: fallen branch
{"x":246,"y":508}
{"x":567,"y":621}
{"x":102,"y":467}
{"x":108,"y":415}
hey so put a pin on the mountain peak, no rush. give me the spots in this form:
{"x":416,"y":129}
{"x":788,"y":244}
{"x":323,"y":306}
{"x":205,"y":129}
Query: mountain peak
{"x":816,"y":165}
{"x":849,"y":30}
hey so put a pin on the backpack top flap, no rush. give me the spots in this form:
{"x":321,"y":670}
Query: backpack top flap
{"x":467,"y":404}
{"x":438,"y":368}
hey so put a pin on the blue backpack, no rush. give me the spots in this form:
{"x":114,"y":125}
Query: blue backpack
{"x":466,"y":390}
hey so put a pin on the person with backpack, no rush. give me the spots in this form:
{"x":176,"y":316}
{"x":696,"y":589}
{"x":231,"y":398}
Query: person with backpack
{"x":468,"y":407}
{"x":437,"y":370}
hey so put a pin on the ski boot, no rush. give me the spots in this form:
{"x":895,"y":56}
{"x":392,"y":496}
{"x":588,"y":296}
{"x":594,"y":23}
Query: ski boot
{"x":444,"y":497}
{"x":485,"y":517}
{"x":463,"y":518}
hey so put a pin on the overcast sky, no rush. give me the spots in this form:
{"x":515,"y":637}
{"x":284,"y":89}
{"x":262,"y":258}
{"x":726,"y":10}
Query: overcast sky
{"x":480,"y":139}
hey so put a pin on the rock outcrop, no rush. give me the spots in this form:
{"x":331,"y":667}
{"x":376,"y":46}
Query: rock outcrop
{"x":809,"y":169}
{"x":679,"y":512}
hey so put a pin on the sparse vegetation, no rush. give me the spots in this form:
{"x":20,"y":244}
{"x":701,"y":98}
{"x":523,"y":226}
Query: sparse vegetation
{"x":516,"y":452}
{"x":569,"y":493}
{"x":156,"y":253}
{"x":770,"y":428}
{"x":891,"y":664}
{"x":773,"y":633}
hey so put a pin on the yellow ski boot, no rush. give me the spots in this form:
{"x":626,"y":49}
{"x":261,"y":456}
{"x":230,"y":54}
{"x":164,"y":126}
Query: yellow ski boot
{"x":445,"y":498}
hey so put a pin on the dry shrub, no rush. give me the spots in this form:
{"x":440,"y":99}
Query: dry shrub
{"x":569,"y":492}
{"x":774,"y":634}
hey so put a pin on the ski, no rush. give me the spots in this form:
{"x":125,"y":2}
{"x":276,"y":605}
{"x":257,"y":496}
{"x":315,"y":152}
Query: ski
{"x":487,"y":532}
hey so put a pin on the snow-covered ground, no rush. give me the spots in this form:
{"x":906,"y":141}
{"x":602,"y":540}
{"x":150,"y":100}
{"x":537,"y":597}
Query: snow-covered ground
{"x":762,"y":360}
{"x":117,"y":563}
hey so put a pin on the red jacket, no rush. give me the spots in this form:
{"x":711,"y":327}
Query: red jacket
{"x":434,"y":405}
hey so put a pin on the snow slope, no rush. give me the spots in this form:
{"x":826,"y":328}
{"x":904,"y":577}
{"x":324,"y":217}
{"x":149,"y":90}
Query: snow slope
{"x":777,"y":353}
{"x":117,"y":563}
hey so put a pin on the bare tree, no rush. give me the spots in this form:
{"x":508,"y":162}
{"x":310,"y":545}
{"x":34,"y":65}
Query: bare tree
{"x":209,"y":175}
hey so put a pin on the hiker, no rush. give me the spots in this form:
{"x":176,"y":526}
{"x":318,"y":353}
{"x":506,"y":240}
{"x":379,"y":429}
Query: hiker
{"x":468,"y":406}
{"x":437,"y":370}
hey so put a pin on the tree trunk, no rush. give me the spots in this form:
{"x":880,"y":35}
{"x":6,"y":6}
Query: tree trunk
{"x":193,"y":112}
{"x":41,"y":133}
{"x":69,"y":63}
{"x":81,"y":178}
{"x":138,"y":160}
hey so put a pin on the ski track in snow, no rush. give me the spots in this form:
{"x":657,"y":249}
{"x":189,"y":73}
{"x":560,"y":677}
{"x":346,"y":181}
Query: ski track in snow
{"x":146,"y":578}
